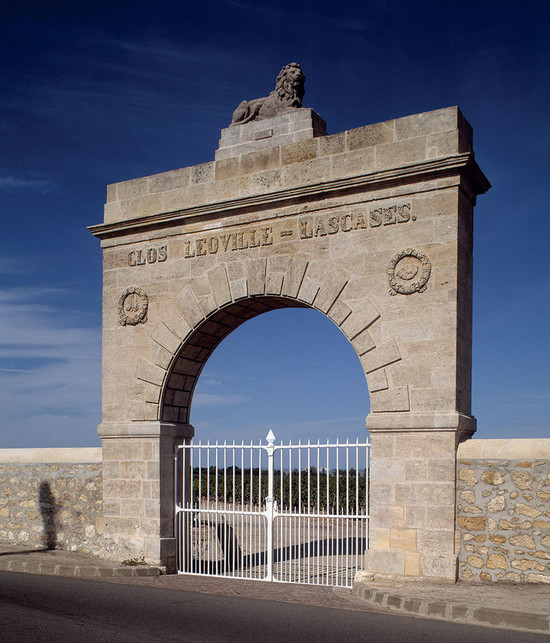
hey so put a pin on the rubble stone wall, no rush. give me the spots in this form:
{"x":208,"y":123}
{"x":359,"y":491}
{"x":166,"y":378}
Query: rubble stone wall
{"x":51,"y":498}
{"x":503,"y":510}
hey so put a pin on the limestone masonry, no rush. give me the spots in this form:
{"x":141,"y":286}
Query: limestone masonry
{"x":503,"y":510}
{"x":51,"y":498}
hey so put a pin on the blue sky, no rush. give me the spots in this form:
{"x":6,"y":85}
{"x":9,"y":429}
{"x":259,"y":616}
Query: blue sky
{"x":92,"y":93}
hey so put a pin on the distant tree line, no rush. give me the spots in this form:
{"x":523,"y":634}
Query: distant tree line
{"x":336,"y":490}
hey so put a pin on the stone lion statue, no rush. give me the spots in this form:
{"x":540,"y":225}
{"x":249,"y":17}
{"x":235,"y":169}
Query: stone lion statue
{"x":288,"y":93}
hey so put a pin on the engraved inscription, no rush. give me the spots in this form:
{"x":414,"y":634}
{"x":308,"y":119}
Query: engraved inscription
{"x":228,"y":242}
{"x":321,"y":226}
{"x":149,"y":255}
{"x":409,"y":272}
{"x":266,"y":133}
{"x":132,"y":307}
{"x":306,"y":227}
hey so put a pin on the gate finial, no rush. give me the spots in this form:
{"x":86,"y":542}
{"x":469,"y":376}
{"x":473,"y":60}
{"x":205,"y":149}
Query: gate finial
{"x":270,"y":438}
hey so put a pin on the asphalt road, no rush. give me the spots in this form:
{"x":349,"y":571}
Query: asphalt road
{"x":46,"y":608}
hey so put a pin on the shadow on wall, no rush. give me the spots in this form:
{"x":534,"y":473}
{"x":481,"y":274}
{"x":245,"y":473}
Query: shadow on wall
{"x":48,"y":509}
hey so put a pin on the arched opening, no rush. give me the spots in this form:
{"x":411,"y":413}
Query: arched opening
{"x":189,"y":362}
{"x":295,"y":510}
{"x":291,"y":371}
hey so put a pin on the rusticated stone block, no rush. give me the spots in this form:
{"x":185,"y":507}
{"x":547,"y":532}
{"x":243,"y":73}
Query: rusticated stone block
{"x":472,"y":524}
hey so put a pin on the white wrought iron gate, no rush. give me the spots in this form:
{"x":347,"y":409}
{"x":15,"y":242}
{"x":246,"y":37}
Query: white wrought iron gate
{"x":294,"y":513}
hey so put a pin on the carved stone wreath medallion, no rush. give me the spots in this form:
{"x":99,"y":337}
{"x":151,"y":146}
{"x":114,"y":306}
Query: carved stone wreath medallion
{"x":132,"y":307}
{"x":409,"y":272}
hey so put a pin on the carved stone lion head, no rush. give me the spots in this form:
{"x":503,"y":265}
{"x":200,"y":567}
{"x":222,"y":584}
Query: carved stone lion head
{"x":290,"y":84}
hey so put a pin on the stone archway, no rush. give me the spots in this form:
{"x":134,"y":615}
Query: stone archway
{"x":372,"y":227}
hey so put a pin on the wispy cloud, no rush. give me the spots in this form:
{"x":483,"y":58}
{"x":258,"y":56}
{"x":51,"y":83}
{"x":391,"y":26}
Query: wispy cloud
{"x":10,"y":266}
{"x":18,"y":183}
{"x":49,"y":372}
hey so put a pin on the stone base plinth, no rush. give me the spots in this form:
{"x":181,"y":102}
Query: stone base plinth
{"x":138,"y":490}
{"x":294,"y":126}
{"x":385,"y":565}
{"x":412,"y":498}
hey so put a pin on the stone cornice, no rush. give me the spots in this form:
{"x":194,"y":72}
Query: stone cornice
{"x":458,"y":164}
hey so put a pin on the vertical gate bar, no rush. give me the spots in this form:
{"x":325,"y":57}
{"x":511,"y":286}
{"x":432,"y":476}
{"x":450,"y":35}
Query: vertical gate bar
{"x":337,"y":544}
{"x":347,"y":505}
{"x":289,"y":511}
{"x":367,"y":491}
{"x":210,"y":542}
{"x":222,"y":523}
{"x":177,"y":530}
{"x":260,"y":507}
{"x":194,"y":504}
{"x":282,"y":565}
{"x":288,"y":541}
{"x":359,"y":528}
{"x":234,"y":505}
{"x":289,"y":533}
{"x":270,"y":501}
{"x":300,"y":509}
{"x":194,"y":483}
{"x":327,"y":504}
{"x":318,"y":544}
{"x":199,"y":513}
{"x":308,"y":554}
{"x":186,"y":542}
{"x":192,"y":513}
{"x":240,"y":538}
{"x":281,"y":570}
{"x":250,"y":505}
{"x":216,"y":489}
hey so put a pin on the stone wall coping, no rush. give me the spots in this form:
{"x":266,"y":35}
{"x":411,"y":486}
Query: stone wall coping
{"x":43,"y":456}
{"x":505,"y":449}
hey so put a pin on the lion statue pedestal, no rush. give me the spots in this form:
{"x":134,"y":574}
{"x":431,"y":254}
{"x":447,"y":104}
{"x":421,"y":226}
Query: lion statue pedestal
{"x":277,"y":119}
